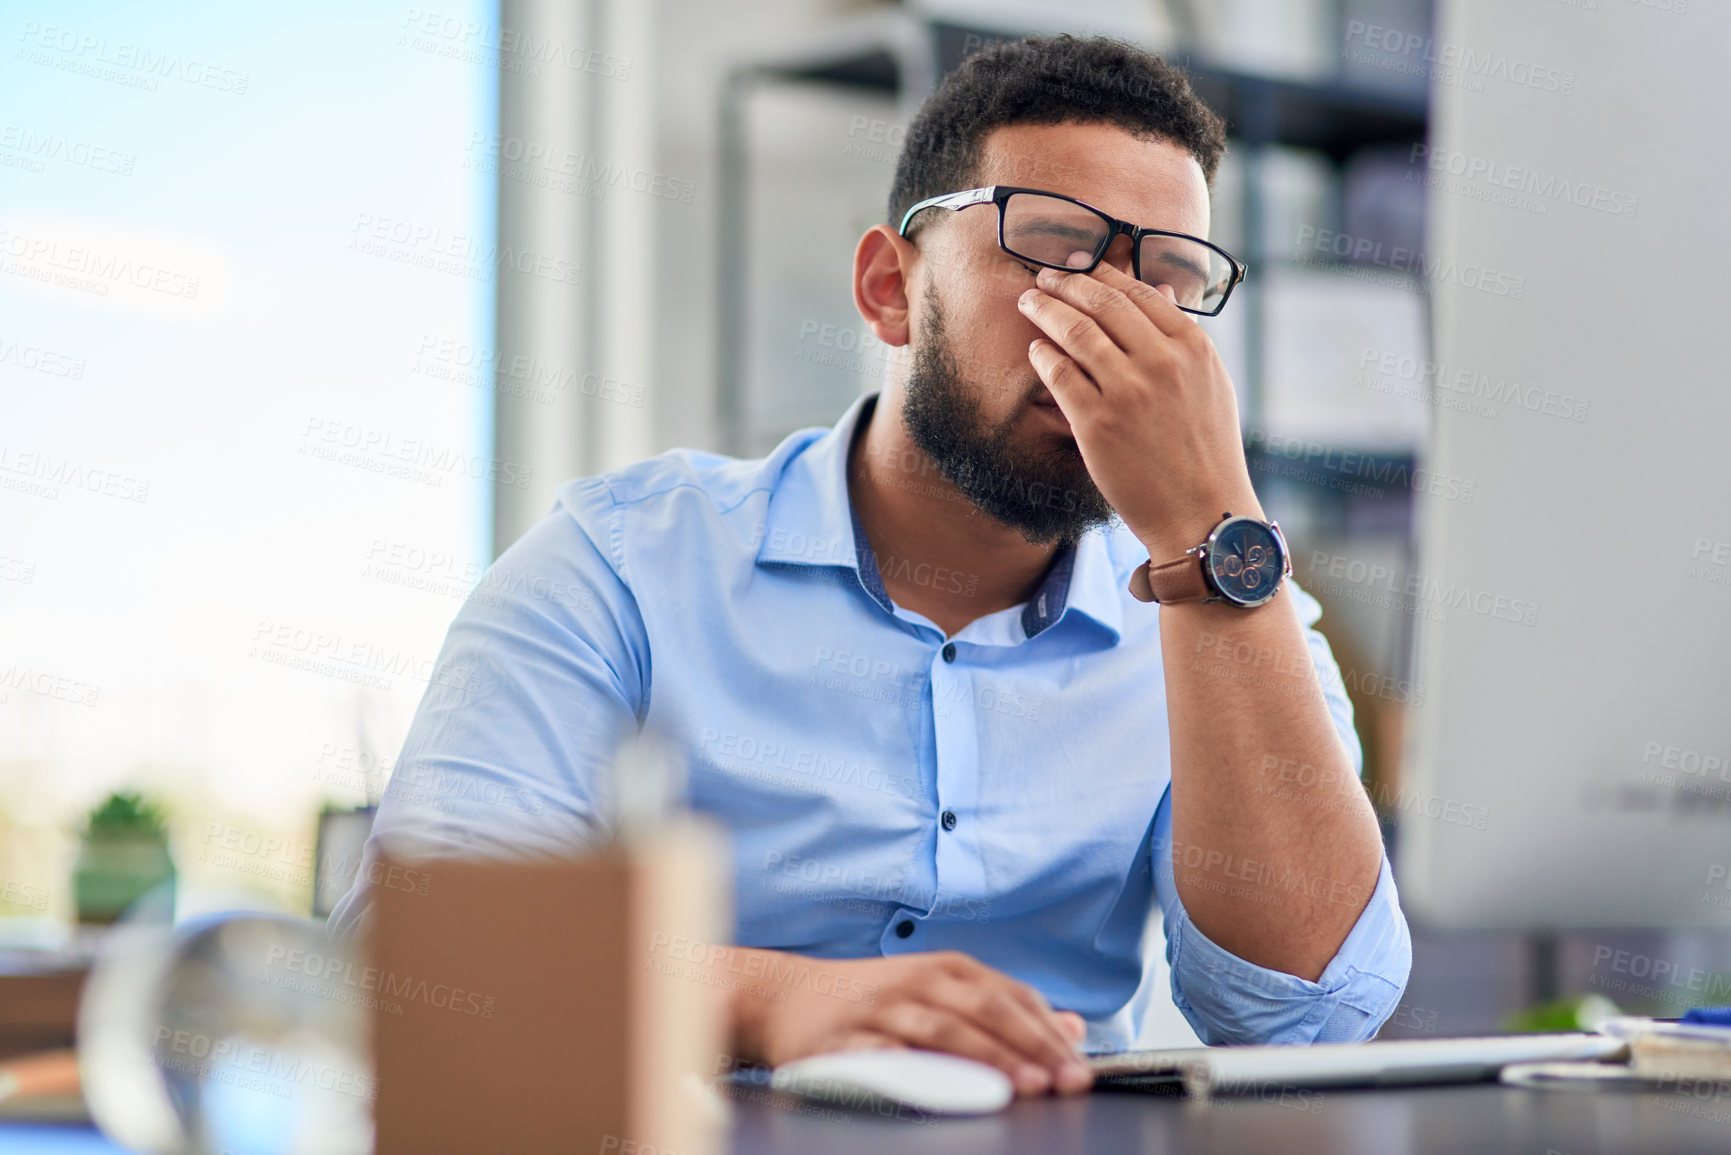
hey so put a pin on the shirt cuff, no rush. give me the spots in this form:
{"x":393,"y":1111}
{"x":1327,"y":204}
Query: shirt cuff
{"x":1228,"y":1000}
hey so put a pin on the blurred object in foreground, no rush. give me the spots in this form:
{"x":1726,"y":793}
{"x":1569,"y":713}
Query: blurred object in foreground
{"x":341,"y":845}
{"x":42,"y":1086}
{"x":237,"y":1033}
{"x":560,"y":1004}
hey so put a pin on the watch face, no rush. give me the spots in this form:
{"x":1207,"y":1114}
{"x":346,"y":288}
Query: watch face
{"x":1246,"y":561}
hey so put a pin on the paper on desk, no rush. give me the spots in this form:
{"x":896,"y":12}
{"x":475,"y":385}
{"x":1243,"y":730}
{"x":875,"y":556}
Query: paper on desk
{"x":1670,"y":1051}
{"x":1573,"y":1076}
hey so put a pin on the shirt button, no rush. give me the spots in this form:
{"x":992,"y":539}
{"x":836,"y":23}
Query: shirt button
{"x":949,"y":651}
{"x":904,"y":929}
{"x":949,"y":820}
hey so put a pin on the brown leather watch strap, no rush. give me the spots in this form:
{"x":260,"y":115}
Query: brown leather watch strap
{"x":1171,"y":583}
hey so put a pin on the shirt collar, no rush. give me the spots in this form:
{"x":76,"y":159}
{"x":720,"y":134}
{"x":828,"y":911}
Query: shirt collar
{"x":811,"y":521}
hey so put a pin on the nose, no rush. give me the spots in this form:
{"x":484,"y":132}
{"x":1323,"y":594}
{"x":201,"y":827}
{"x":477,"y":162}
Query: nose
{"x":1119,"y":254}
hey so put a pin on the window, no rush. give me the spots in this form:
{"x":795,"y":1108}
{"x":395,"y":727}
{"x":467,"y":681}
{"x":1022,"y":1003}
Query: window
{"x":246,"y":289}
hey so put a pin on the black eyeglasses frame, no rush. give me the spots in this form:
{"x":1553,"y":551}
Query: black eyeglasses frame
{"x":1000,"y":194}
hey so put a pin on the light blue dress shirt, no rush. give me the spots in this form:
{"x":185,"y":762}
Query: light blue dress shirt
{"x":736,"y":607}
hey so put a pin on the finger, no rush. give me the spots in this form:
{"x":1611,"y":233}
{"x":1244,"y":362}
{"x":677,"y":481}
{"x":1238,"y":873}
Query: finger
{"x":863,"y":1039}
{"x":1127,"y":324}
{"x":965,"y":966}
{"x":1004,"y":1014}
{"x":1158,"y":303}
{"x":1071,"y":1074}
{"x":1075,"y":332}
{"x":1075,"y":1075}
{"x":1071,"y":388}
{"x":939,"y":1029}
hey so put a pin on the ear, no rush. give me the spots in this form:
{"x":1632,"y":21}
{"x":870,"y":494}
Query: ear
{"x":882,"y":266}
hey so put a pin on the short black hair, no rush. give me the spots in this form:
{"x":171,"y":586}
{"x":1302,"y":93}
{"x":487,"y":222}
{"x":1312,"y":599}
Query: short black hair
{"x":1048,"y":80}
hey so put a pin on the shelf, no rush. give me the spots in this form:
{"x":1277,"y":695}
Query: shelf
{"x":1332,"y":116}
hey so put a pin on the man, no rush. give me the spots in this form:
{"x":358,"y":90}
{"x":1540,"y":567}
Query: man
{"x":964,"y":737}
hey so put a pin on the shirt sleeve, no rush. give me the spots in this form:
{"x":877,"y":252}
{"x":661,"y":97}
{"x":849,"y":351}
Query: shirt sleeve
{"x":1227,"y":999}
{"x":543,"y":673}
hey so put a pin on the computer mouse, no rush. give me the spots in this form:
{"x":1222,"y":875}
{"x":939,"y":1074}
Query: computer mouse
{"x":928,"y":1081}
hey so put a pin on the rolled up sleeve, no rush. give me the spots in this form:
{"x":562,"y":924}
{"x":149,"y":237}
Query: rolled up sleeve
{"x":1227,"y":999}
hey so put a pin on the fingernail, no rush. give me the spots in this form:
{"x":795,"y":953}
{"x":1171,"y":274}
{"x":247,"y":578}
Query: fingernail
{"x":1032,"y":1080}
{"x":1074,"y":1077}
{"x":1025,"y":298}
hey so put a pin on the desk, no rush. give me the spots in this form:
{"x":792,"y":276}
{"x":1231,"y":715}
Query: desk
{"x":1463,"y":1120}
{"x":1473,"y":1120}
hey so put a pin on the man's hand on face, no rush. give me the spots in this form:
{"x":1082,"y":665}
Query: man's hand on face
{"x":938,"y":1001}
{"x":1149,"y":403}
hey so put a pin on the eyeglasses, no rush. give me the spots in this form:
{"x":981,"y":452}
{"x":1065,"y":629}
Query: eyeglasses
{"x":1061,"y":232}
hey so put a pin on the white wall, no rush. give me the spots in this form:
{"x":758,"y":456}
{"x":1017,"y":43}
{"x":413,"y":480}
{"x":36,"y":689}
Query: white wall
{"x":642,"y":321}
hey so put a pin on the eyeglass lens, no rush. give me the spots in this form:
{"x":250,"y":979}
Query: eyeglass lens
{"x":1058,"y":232}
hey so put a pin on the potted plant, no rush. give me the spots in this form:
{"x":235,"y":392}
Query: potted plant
{"x":122,"y":854}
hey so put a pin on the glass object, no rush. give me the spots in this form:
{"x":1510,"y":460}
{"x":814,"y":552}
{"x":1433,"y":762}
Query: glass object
{"x":232,"y":1033}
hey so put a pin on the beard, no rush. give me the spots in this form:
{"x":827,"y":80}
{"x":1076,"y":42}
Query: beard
{"x":1046,"y":494}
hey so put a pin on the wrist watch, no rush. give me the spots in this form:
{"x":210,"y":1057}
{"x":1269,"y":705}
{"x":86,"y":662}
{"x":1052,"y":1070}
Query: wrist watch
{"x":1241,"y":563}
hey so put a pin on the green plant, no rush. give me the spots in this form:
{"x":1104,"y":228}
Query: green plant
{"x":122,"y":856}
{"x":126,"y":815}
{"x":1575,"y":1013}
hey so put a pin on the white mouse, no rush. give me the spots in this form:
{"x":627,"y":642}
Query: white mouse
{"x":928,"y":1081}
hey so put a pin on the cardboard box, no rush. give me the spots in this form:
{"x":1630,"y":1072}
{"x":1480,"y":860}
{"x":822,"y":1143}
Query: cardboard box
{"x":534,"y":1006}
